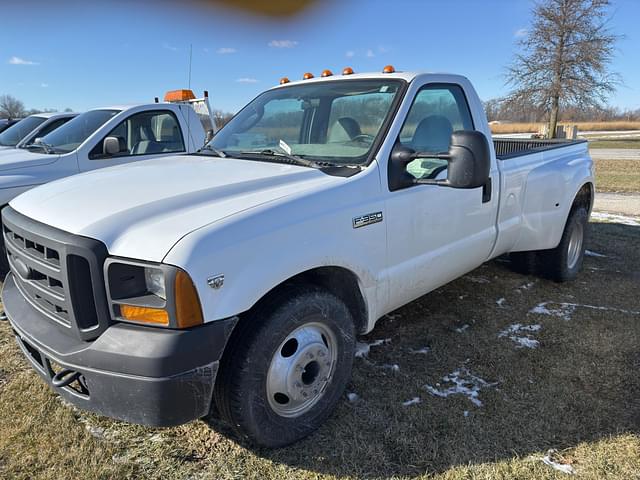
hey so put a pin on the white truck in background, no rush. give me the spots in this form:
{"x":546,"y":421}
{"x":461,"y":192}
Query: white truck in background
{"x":239,"y":276}
{"x":105,"y":137}
{"x":25,"y":132}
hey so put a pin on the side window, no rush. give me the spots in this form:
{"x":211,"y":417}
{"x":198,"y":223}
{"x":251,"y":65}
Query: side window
{"x":145,"y":133}
{"x":52,"y":126}
{"x":437,"y":111}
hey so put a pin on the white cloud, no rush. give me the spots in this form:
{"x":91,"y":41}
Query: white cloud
{"x":522,"y":32}
{"x":44,"y":85}
{"x":283,"y":43}
{"x":21,"y":61}
{"x":350,"y":54}
{"x":247,"y":80}
{"x":226,"y":50}
{"x":370,"y":53}
{"x":169,"y":47}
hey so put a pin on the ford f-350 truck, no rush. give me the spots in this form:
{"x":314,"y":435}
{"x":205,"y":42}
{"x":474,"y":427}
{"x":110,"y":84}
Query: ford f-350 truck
{"x":238,"y":277}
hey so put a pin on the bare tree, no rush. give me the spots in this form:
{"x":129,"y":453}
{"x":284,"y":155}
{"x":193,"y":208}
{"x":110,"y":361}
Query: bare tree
{"x":565,"y":58}
{"x":10,"y":107}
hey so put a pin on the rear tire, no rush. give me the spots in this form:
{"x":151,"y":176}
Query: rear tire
{"x":286,"y":366}
{"x":564,"y":262}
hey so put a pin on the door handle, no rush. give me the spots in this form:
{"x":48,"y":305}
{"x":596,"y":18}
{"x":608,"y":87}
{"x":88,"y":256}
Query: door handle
{"x":486,"y":191}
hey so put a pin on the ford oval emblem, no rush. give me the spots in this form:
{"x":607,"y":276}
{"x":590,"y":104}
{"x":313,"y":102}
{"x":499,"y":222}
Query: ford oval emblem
{"x":23,"y":270}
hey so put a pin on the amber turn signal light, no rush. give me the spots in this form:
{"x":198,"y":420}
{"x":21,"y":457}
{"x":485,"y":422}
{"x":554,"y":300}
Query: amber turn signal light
{"x":284,"y":80}
{"x":154,"y":316}
{"x":388,"y":69}
{"x":326,"y":73}
{"x":188,"y":309}
{"x":307,"y":76}
{"x":347,"y":71}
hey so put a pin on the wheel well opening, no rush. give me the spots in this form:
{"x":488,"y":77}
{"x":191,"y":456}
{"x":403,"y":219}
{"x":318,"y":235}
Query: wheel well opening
{"x":584,"y":197}
{"x":336,"y":280}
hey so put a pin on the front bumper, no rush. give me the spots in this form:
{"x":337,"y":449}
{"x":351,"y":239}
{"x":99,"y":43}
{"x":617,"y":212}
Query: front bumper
{"x":145,"y":375}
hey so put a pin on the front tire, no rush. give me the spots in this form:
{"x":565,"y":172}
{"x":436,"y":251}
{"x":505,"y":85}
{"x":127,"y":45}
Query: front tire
{"x":286,"y":367}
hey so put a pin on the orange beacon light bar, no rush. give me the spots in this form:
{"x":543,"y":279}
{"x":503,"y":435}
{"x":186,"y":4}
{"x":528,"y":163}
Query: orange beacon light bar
{"x":179,"y":96}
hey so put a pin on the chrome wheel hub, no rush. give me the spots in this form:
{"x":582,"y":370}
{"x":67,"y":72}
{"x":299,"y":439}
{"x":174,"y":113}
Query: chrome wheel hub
{"x":301,"y":369}
{"x":575,"y":245}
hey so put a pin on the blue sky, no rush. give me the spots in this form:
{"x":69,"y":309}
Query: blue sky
{"x":83,"y":54}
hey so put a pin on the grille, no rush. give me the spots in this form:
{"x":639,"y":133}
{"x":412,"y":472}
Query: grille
{"x":58,"y":273}
{"x":36,"y":268}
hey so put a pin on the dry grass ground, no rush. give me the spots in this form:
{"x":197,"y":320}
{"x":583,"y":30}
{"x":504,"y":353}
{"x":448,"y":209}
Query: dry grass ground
{"x":582,"y":126}
{"x":633,"y":143}
{"x":617,"y":175}
{"x":578,"y":392}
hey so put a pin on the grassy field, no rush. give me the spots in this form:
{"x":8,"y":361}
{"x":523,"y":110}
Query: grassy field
{"x":582,"y":126}
{"x":617,"y":175}
{"x":615,"y":143}
{"x":576,"y":392}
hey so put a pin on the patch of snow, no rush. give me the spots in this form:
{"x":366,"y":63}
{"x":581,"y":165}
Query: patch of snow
{"x":526,"y":286}
{"x":97,"y":432}
{"x":394,"y":367}
{"x":362,"y":349}
{"x":353,"y":397}
{"x":420,"y":351}
{"x":465,"y":413}
{"x":464,"y":383}
{"x":501,"y":301}
{"x":615,"y":218}
{"x":476,"y":279}
{"x":561,"y":467}
{"x":564,"y":310}
{"x":589,"y":253}
{"x":413,"y":401}
{"x":518,"y":334}
{"x":462,"y":328}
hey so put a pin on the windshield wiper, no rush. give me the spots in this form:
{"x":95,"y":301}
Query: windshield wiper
{"x":290,"y":158}
{"x":44,"y":146}
{"x":209,"y":148}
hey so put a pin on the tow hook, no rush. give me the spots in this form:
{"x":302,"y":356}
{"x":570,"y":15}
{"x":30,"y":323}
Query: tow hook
{"x":3,"y":316}
{"x":64,"y":377}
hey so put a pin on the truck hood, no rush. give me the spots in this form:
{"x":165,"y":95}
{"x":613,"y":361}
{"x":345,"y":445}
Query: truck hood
{"x":141,"y":210}
{"x":11,"y":158}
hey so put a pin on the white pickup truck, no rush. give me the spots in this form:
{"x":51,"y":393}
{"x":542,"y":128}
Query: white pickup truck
{"x":238,"y":277}
{"x":26,"y":131}
{"x":98,"y":138}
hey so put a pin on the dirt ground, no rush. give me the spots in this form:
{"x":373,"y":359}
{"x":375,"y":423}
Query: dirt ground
{"x":478,"y":379}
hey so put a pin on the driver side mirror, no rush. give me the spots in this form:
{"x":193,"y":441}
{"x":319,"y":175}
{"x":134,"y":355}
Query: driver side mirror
{"x":113,"y":146}
{"x":468,"y":158}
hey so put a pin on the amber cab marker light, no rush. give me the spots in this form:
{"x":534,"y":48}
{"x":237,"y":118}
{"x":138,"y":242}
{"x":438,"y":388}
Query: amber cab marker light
{"x":188,"y":309}
{"x":326,"y":73}
{"x":179,"y":96}
{"x":284,"y":80}
{"x":388,"y":69}
{"x":153,"y":316}
{"x":347,"y":71}
{"x":307,"y":76}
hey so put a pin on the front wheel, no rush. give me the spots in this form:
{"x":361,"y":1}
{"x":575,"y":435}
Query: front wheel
{"x":286,"y":367}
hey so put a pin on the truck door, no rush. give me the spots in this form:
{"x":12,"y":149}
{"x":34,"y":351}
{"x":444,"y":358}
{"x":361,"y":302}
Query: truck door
{"x":435,"y":233}
{"x":141,"y":136}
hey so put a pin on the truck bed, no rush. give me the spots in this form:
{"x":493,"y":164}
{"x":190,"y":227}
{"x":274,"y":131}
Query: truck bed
{"x":507,"y":148}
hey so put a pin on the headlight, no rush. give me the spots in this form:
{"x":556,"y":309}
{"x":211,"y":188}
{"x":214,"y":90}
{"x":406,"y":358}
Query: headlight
{"x":154,"y":281}
{"x":154,"y":294}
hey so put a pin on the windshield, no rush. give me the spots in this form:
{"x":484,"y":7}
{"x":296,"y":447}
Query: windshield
{"x":69,"y":136}
{"x":336,"y":121}
{"x":16,"y":132}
